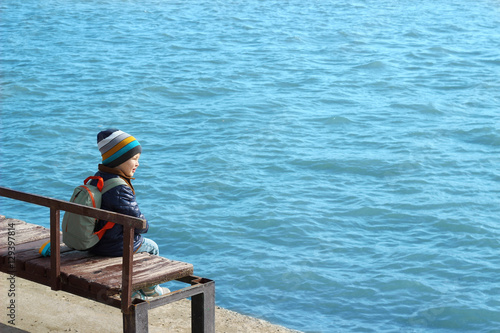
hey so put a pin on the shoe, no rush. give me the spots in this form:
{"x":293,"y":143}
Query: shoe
{"x":139,"y":295}
{"x":155,"y":291}
{"x":45,"y":249}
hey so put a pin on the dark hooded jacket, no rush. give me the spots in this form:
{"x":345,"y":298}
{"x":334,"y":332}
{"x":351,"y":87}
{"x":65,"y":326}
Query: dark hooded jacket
{"x":120,"y":199}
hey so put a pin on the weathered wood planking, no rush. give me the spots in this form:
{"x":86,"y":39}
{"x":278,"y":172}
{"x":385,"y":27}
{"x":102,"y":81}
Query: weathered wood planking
{"x":21,"y":232}
{"x":80,"y":270}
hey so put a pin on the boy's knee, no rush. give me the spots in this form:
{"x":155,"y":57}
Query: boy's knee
{"x":149,"y":246}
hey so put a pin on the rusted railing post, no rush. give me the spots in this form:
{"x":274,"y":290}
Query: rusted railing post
{"x":128,"y":252}
{"x":55,"y":247}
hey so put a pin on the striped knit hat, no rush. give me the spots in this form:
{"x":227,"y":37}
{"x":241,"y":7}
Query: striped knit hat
{"x":117,"y":147}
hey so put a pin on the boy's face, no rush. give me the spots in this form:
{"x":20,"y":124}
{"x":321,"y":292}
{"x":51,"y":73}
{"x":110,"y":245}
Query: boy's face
{"x":129,"y":166}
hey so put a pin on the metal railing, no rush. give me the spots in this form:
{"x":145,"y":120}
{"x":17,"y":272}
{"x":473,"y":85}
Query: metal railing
{"x":55,"y":205}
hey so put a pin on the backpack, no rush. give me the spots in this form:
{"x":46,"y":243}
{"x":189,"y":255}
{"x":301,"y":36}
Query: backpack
{"x":78,"y":230}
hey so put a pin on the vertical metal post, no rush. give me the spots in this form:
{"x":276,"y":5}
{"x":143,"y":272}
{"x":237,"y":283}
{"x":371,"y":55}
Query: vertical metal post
{"x":55,"y":249}
{"x":136,"y":321}
{"x":203,"y":310}
{"x":128,"y":252}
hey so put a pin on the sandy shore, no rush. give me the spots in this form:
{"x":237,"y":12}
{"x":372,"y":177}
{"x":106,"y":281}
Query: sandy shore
{"x":39,"y":309}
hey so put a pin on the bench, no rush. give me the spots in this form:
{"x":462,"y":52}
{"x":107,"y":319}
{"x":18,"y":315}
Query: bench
{"x":108,"y":280}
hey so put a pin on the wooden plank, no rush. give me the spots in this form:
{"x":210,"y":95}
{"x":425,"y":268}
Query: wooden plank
{"x":80,"y":269}
{"x":6,"y":224}
{"x":40,"y":266}
{"x":153,"y":270}
{"x":20,"y":259}
{"x":67,"y":258}
{"x":45,"y":280}
{"x":27,"y":235}
{"x":148,"y":270}
{"x":23,"y":232}
{"x":28,"y":246}
{"x":32,"y":247}
{"x":81,"y":272}
{"x":30,"y":235}
{"x":86,"y":263}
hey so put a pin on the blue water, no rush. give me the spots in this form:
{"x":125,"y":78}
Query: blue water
{"x":333,"y":165}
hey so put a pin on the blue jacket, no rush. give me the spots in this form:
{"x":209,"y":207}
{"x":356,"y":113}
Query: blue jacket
{"x":120,"y":199}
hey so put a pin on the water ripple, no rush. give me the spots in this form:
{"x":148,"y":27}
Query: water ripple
{"x":330,"y":162}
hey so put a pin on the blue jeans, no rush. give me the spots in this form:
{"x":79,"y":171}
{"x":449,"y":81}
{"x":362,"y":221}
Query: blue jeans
{"x":149,"y":246}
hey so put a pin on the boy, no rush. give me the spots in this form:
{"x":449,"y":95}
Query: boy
{"x":120,"y":158}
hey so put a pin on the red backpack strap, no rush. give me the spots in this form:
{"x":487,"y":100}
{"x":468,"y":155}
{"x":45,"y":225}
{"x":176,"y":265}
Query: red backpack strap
{"x":90,"y":194}
{"x":107,"y":226}
{"x":100,"y":185}
{"x":100,"y":181}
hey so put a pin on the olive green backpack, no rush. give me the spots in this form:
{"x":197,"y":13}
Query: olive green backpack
{"x":78,"y":230}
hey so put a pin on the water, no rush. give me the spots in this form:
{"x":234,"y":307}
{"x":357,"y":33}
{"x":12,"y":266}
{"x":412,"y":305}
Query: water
{"x":334,"y":166}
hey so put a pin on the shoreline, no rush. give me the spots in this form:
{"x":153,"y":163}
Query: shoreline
{"x":39,"y":309}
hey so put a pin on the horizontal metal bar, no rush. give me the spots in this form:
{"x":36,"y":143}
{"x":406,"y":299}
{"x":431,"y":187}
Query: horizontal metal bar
{"x":67,"y":206}
{"x":193,"y":279}
{"x":175,"y":296}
